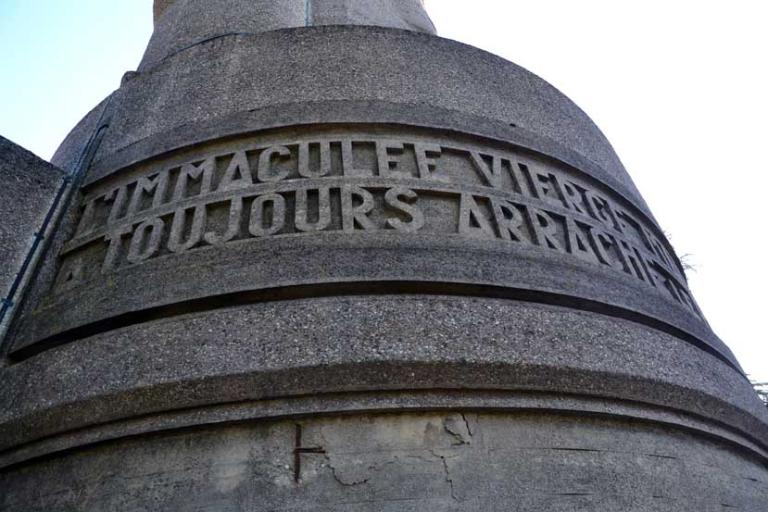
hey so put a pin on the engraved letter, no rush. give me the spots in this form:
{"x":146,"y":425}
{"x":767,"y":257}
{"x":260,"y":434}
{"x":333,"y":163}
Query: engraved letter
{"x":632,"y":262}
{"x":656,"y":247}
{"x":238,"y":174}
{"x":388,"y":154}
{"x":325,"y":160}
{"x":117,"y":196}
{"x":544,"y":229}
{"x":69,"y":275}
{"x":426,"y":160}
{"x":348,"y":160}
{"x":509,"y":220}
{"x":679,"y":292}
{"x":146,"y":240}
{"x":323,"y":207}
{"x":472,"y":220}
{"x":115,"y":240}
{"x":266,"y":172}
{"x":178,"y":227}
{"x":600,"y":210}
{"x":577,"y":243}
{"x":352,"y":214}
{"x":571,"y":195}
{"x":536,"y":181}
{"x":404,"y":200}
{"x":492,"y":173}
{"x":257,"y":227}
{"x":203,"y":172}
{"x":599,"y":241}
{"x":233,"y":225}
{"x":563,"y":192}
{"x":158,"y":184}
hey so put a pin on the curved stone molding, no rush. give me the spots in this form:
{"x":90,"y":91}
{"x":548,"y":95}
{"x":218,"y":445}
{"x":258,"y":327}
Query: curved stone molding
{"x":378,"y":402}
{"x":377,"y":344}
{"x":437,"y":460}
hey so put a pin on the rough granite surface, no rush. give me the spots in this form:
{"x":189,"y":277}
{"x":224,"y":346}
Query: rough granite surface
{"x":181,"y":24}
{"x":390,"y":342}
{"x":239,"y":73}
{"x":28,"y":186}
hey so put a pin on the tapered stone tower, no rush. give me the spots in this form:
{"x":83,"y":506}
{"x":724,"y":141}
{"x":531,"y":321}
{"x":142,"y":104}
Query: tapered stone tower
{"x":312,"y":257}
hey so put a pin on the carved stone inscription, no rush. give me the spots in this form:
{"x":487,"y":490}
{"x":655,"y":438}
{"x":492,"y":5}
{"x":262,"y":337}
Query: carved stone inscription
{"x":350,"y":186}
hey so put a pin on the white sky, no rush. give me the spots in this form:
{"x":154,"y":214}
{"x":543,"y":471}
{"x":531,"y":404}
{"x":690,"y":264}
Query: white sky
{"x":680,"y":87}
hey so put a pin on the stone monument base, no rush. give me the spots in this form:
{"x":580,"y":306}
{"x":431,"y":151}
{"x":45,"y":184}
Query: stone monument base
{"x":436,"y":461}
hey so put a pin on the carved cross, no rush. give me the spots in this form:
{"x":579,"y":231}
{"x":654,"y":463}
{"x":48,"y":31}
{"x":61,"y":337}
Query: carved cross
{"x":300,"y":450}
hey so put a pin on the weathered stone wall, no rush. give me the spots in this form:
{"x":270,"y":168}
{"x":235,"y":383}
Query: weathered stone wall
{"x":28,"y":190}
{"x":459,"y":460}
{"x":182,"y":24}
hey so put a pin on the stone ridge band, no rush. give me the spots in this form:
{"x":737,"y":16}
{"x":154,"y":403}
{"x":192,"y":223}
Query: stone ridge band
{"x":353,"y":183}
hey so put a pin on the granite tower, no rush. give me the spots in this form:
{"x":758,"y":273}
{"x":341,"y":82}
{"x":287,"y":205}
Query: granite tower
{"x":310,"y":256}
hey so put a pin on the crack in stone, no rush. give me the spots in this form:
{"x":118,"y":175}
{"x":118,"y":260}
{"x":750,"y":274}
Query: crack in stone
{"x":447,"y":471}
{"x":569,"y":449}
{"x":455,"y":431}
{"x":466,"y":422}
{"x":344,"y":483}
{"x":449,"y":479}
{"x":659,"y":456}
{"x":355,"y":482}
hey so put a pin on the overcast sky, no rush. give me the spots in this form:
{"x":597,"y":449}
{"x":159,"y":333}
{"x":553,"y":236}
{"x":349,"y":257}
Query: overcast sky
{"x":680,"y":87}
